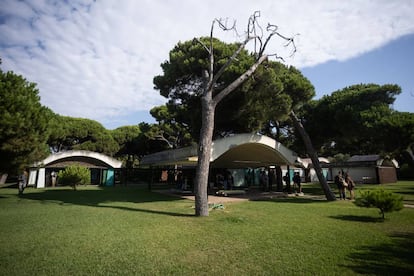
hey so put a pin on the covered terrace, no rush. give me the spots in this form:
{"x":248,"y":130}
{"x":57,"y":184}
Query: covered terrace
{"x":239,"y":154}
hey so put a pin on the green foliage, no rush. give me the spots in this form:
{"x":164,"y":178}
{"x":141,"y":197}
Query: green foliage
{"x":68,"y":133}
{"x":257,"y":105}
{"x":74,"y":175}
{"x":396,"y":136}
{"x":182,"y":83}
{"x":131,"y":144}
{"x":339,"y":158}
{"x":168,"y":131}
{"x":183,"y":71}
{"x":151,"y":138}
{"x":385,"y":201}
{"x":406,"y":172}
{"x":127,"y":137}
{"x":357,"y":120}
{"x":276,"y":90}
{"x":120,"y":226}
{"x":23,"y":123}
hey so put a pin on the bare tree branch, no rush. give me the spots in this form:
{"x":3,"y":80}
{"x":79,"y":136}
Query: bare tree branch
{"x":223,"y":23}
{"x":208,"y":103}
{"x":226,"y":91}
{"x":253,"y":24}
{"x":229,"y":62}
{"x":211,"y":53}
{"x":202,"y":44}
{"x":252,"y":31}
{"x":160,"y":137}
{"x":290,"y":41}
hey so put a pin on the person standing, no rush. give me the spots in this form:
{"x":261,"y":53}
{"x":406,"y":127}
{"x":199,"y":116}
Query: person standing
{"x":22,"y":182}
{"x":296,"y":182}
{"x":351,"y":186}
{"x":286,"y":178}
{"x":339,"y":183}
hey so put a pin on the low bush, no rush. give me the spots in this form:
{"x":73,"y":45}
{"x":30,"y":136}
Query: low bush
{"x":406,"y":171}
{"x":385,"y":201}
{"x":74,"y":175}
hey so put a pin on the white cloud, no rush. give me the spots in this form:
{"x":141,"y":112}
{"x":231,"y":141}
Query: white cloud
{"x":98,"y":59}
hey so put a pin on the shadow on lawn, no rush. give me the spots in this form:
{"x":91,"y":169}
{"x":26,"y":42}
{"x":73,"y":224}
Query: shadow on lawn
{"x":358,"y":218}
{"x":103,"y":197}
{"x":392,"y":258}
{"x":147,"y":211}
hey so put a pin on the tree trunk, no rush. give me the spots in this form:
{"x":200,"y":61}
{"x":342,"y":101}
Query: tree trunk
{"x":208,"y":106}
{"x":313,"y":155}
{"x":204,"y":155}
{"x":3,"y":177}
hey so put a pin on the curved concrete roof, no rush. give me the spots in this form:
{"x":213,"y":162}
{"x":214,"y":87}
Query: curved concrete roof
{"x":236,"y":151}
{"x":111,"y":162}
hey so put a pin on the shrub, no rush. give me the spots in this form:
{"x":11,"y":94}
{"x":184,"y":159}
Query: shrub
{"x":406,"y":171}
{"x":383,"y":200}
{"x":74,"y":175}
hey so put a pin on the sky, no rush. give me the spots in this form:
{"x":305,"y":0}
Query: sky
{"x":97,"y":59}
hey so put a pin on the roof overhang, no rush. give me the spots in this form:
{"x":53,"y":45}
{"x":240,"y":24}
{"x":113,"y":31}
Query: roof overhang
{"x":236,"y":151}
{"x":81,"y":156}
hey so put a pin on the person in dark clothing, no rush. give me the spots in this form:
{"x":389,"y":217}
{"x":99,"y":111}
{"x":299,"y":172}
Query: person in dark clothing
{"x":286,"y":178}
{"x":296,"y":182}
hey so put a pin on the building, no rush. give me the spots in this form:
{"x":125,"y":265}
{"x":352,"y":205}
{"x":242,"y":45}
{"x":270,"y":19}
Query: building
{"x":307,"y":171}
{"x":241,"y":155}
{"x":370,"y":169}
{"x":103,"y":168}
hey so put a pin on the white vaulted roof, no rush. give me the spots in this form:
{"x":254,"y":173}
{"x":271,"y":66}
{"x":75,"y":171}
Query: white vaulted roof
{"x":111,"y":162}
{"x":236,"y":151}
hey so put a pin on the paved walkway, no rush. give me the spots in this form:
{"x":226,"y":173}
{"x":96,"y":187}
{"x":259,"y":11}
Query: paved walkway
{"x":255,"y":195}
{"x":251,"y":195}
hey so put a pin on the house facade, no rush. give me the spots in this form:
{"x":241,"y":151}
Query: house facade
{"x":369,"y":169}
{"x":102,"y":168}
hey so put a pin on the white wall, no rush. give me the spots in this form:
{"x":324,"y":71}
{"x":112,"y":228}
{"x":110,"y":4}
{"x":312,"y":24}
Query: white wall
{"x":359,"y":173}
{"x":32,"y":177}
{"x":41,"y":178}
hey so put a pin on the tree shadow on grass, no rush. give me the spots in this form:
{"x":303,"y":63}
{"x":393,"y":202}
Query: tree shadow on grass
{"x":405,"y":192}
{"x":358,"y":218}
{"x":395,"y":258}
{"x":104,"y":197}
{"x":159,"y":212}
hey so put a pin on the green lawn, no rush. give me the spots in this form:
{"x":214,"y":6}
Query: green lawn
{"x":130,"y":231}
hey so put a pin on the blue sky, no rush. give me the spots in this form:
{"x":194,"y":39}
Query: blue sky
{"x":393,"y":63}
{"x":97,"y":59}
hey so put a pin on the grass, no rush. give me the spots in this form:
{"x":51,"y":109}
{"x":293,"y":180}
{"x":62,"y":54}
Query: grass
{"x":131,"y":231}
{"x":403,"y":188}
